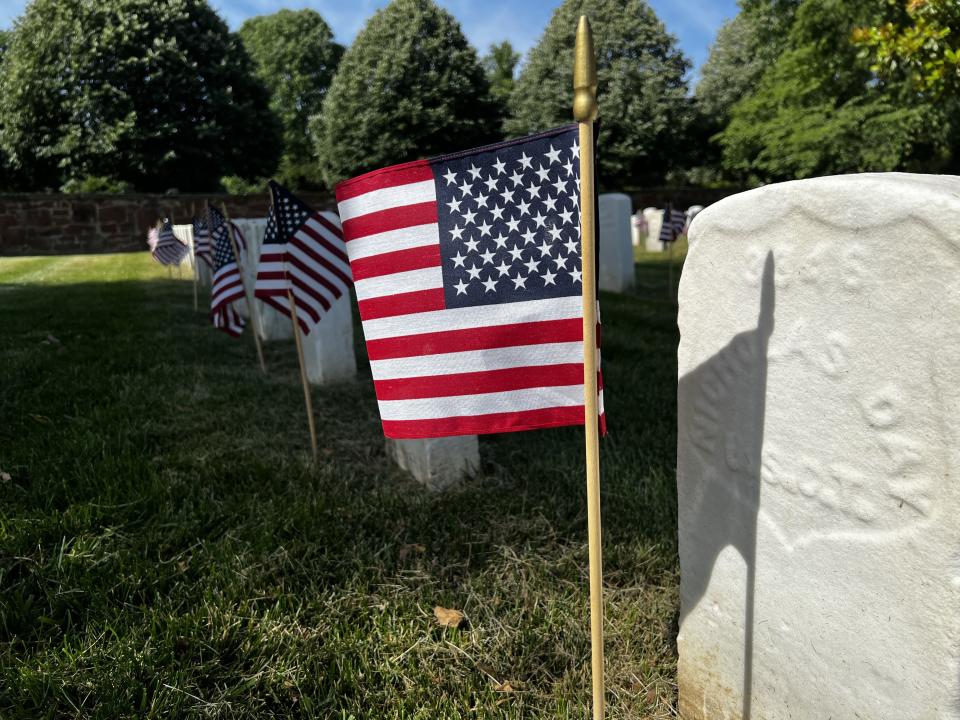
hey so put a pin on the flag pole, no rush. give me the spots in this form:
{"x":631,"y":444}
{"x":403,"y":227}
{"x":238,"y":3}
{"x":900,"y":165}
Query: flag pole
{"x":303,"y":373}
{"x":251,"y":304}
{"x":585,"y":111}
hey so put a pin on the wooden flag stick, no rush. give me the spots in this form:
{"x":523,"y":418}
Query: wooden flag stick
{"x":251,"y":303}
{"x":585,"y":112}
{"x":303,"y":374}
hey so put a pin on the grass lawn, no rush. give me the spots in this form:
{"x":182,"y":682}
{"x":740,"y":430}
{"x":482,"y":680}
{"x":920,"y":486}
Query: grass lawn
{"x":167,"y":549}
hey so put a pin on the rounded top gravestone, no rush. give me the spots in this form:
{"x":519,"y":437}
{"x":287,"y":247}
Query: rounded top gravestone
{"x":819,"y":420}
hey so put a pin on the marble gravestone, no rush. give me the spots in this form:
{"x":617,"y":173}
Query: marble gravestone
{"x":654,"y":218}
{"x":274,"y":325}
{"x":615,"y":247}
{"x":819,"y":452}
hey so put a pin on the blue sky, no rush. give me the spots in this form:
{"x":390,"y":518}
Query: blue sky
{"x":693,"y":22}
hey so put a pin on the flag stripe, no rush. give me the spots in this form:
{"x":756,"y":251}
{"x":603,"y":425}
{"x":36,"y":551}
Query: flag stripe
{"x":398,"y":282}
{"x":394,"y":240}
{"x":388,"y":197}
{"x":472,"y":383}
{"x":401,"y":304}
{"x":479,"y":404}
{"x":477,"y":360}
{"x":399,"y":261}
{"x":327,"y":239}
{"x":411,"y":172}
{"x":488,"y":423}
{"x":475,"y":317}
{"x":479,"y":338}
{"x":391,"y":219}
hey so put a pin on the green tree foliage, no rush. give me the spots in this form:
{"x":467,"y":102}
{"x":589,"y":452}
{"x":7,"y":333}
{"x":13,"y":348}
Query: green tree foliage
{"x":924,"y":44}
{"x":156,"y":93}
{"x":642,"y":92}
{"x":296,"y":57}
{"x":744,"y":48}
{"x":410,"y":86}
{"x":500,"y":64}
{"x":819,"y":110}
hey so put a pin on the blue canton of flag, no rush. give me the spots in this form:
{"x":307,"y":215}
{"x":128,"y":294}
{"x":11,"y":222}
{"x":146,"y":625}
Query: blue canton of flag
{"x":509,"y":223}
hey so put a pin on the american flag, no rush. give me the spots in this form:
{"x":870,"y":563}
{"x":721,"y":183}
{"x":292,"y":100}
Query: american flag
{"x":468,"y":277}
{"x":227,"y":283}
{"x":304,"y":251}
{"x":165,"y":247}
{"x":674,"y":224}
{"x":201,"y":241}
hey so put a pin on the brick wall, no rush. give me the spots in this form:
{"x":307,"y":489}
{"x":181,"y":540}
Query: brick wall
{"x":55,"y":224}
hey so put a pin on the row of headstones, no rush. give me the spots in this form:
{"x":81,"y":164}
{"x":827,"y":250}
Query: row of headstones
{"x":329,"y":353}
{"x":329,"y":357}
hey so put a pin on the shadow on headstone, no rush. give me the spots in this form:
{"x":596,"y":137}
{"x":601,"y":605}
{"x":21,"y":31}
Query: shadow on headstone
{"x":725,"y":398}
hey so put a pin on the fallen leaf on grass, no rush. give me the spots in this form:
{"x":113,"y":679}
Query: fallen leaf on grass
{"x":447,"y":617}
{"x":408,"y":550}
{"x":504,"y":687}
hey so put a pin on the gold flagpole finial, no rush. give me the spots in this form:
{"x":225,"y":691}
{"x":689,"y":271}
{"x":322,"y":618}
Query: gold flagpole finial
{"x":584,"y":74}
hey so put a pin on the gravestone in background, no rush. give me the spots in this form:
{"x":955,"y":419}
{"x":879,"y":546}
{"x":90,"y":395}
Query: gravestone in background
{"x":274,"y":325}
{"x":438,"y":463}
{"x":819,"y":452}
{"x":616,"y":246}
{"x":654,"y":218}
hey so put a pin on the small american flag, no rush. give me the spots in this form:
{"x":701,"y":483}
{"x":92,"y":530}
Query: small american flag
{"x":674,"y":224}
{"x":165,"y":247}
{"x":302,"y":251}
{"x":227,"y":283}
{"x":468,"y":277}
{"x":201,"y":241}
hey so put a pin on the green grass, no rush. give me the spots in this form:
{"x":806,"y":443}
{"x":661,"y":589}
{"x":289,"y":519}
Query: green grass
{"x":168,"y":550}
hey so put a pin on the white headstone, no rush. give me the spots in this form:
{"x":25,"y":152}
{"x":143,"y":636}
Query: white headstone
{"x":437,"y":463}
{"x":819,"y":452}
{"x":616,"y":247}
{"x":328,"y":348}
{"x":184,"y":233}
{"x":638,"y":228}
{"x":654,"y":218}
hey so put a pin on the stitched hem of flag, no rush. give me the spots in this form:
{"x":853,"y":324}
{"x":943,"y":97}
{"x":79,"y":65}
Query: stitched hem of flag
{"x":453,"y":156}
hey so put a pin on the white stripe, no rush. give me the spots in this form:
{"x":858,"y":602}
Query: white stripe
{"x":332,"y":217}
{"x":393,"y":240}
{"x":562,"y":308}
{"x":272,"y":285}
{"x":271,"y":266}
{"x":486,"y":403}
{"x":311,"y":263}
{"x":401,"y":282}
{"x":387,"y":198}
{"x":478,"y":360}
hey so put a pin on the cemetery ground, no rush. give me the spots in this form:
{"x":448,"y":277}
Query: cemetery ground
{"x":168,"y":549}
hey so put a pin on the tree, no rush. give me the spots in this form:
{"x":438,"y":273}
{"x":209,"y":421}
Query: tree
{"x":500,"y":64}
{"x":745,"y":47}
{"x":923,"y":44}
{"x":819,"y":110}
{"x":156,"y":93}
{"x":410,"y":86}
{"x":296,"y":58}
{"x":642,"y":91}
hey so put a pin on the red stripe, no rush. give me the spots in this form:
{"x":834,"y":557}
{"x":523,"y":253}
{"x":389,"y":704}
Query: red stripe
{"x":400,"y":261}
{"x":402,"y":304}
{"x":482,"y":338}
{"x":484,"y":424}
{"x":474,"y":383}
{"x":316,"y":277}
{"x":390,"y":219}
{"x":305,"y":248}
{"x":411,"y":172}
{"x":338,"y":252}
